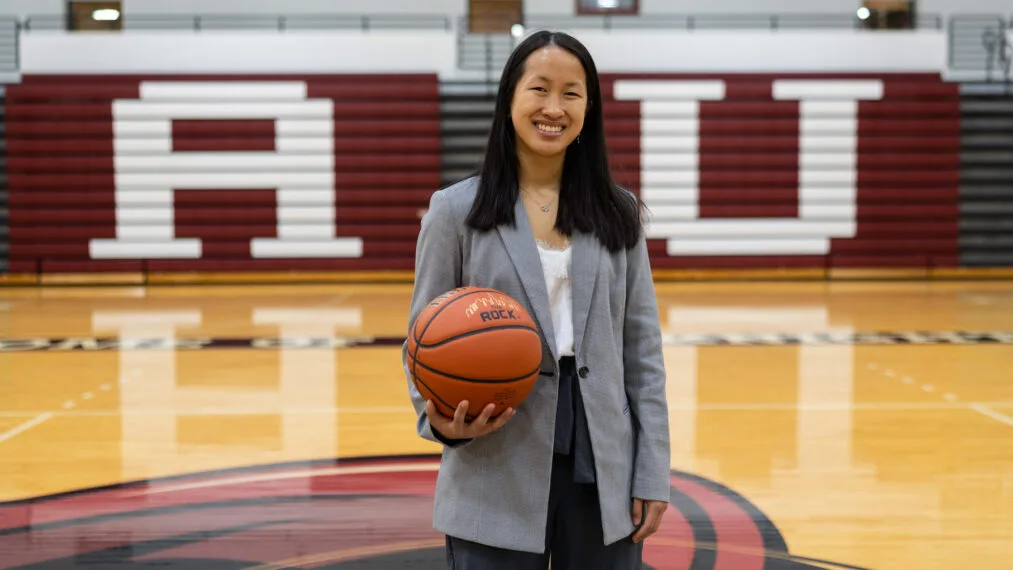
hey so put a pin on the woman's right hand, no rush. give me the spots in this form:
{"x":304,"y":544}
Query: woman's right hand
{"x":457,"y":428}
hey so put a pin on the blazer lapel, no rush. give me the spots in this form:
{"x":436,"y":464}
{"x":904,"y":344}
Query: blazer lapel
{"x":521,"y":247}
{"x":585,"y":256}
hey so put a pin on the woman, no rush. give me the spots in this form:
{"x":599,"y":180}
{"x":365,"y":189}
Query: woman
{"x":580,"y":470}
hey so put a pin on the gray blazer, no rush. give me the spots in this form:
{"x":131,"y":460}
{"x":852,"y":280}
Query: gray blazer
{"x":494,"y":490}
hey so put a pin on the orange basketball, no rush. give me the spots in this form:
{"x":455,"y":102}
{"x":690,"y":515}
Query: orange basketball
{"x":476,"y":344}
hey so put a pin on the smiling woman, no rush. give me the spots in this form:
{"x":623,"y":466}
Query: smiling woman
{"x":579,"y":471}
{"x":549,"y":103}
{"x":547,"y":145}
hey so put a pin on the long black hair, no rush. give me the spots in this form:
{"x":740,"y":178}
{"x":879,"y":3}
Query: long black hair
{"x":589,"y":198}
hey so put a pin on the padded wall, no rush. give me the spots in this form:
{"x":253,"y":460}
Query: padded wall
{"x":5,"y":243}
{"x":219,"y":174}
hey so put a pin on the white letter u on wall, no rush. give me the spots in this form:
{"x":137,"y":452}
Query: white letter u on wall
{"x":827,"y":167}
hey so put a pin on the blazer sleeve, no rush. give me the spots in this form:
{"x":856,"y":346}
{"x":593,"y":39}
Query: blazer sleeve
{"x":437,"y":270}
{"x":644,"y":365}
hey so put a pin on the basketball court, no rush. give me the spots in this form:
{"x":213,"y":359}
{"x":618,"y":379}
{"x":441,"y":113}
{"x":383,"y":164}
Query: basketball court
{"x":208,"y":229}
{"x":814,"y":425}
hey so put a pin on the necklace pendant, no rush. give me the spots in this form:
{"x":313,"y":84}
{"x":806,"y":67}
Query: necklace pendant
{"x":545,"y":209}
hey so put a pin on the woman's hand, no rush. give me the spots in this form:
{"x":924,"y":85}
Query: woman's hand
{"x":647,"y":515}
{"x":456,"y":428}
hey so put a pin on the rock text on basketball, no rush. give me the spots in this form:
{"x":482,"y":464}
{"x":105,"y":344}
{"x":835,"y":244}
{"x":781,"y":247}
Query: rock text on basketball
{"x":488,"y":303}
{"x":497,"y":315}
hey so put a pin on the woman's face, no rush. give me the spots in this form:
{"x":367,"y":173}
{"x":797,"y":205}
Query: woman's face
{"x":549,"y":102}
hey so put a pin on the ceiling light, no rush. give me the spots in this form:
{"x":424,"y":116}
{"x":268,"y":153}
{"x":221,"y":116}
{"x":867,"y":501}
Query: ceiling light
{"x":107,"y":15}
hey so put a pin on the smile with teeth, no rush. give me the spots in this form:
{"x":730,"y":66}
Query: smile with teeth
{"x":547,"y":128}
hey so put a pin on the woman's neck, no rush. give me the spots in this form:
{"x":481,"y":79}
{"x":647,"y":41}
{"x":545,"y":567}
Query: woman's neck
{"x":537,"y":174}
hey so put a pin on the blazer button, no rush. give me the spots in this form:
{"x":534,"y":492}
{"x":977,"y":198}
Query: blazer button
{"x":583,"y":372}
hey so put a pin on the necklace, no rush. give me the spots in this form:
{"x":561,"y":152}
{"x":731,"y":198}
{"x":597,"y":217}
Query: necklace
{"x":543,"y":207}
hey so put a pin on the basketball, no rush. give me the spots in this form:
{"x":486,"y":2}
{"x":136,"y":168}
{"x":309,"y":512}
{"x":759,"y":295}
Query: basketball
{"x":475,"y":344}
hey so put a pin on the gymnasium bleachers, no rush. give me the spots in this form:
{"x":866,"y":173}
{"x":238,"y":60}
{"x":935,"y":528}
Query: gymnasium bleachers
{"x":90,"y":171}
{"x":752,"y":161}
{"x":986,"y":177}
{"x":367,"y":176}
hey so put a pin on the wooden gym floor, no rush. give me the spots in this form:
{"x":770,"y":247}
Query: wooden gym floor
{"x":814,"y":425}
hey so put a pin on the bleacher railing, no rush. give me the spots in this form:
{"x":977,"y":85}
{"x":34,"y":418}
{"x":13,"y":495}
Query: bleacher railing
{"x":970,"y":38}
{"x":965,"y":32}
{"x":281,"y":23}
{"x":10,"y":55}
{"x":690,"y":22}
{"x":366,"y":22}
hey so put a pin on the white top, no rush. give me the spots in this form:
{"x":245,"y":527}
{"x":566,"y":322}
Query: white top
{"x":556,"y":267}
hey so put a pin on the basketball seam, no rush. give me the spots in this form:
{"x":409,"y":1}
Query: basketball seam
{"x":441,"y":309}
{"x":480,"y":331}
{"x":467,"y":415}
{"x":433,"y":392}
{"x":537,"y":369}
{"x":418,"y":344}
{"x":418,"y":337}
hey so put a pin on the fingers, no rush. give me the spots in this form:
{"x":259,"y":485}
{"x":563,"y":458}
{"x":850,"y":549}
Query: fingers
{"x":460,"y":413}
{"x":483,"y":418}
{"x":458,"y":426}
{"x":655,"y":510}
{"x":503,"y":418}
{"x":638,"y":511}
{"x":449,"y":427}
{"x":481,"y":425}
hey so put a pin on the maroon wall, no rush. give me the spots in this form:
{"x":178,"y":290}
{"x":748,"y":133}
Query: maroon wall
{"x":334,"y":171}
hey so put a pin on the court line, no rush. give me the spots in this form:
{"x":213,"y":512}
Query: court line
{"x":298,"y":473}
{"x":350,"y":554}
{"x":25,"y":426}
{"x":734,"y":406}
{"x":979,"y":407}
{"x":987,"y":411}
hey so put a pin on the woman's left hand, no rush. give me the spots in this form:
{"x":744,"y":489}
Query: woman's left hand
{"x":648,"y":519}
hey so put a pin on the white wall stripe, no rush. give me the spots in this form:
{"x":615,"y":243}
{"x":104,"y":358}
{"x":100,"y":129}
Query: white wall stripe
{"x":631,"y":89}
{"x":212,"y":161}
{"x":238,"y":108}
{"x":755,"y":228}
{"x":839,"y":89}
{"x":749,"y":246}
{"x":169,"y":91}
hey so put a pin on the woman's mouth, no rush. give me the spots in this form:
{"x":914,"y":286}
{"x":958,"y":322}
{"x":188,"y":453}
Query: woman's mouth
{"x":549,"y":130}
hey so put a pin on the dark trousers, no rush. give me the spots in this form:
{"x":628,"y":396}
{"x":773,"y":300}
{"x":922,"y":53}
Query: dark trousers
{"x":573,"y":535}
